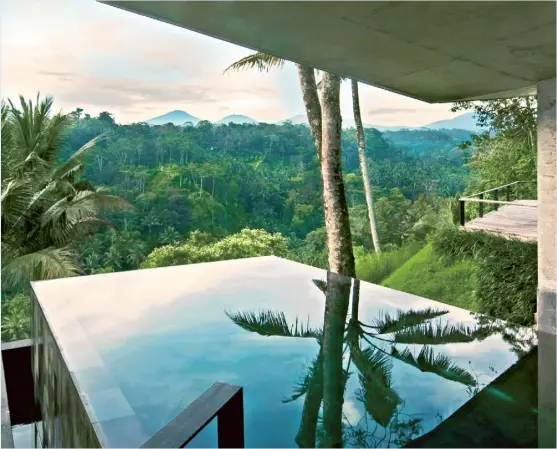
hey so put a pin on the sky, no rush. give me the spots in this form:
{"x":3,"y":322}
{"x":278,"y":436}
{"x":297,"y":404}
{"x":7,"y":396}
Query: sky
{"x":99,"y":58}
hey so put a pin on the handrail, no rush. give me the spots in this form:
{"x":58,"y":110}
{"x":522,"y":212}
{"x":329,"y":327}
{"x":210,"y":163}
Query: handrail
{"x":495,"y":201}
{"x":514,"y":203}
{"x":496,"y":188}
{"x":221,"y":400}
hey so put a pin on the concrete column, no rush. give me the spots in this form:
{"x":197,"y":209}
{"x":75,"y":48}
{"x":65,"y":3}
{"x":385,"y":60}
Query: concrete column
{"x":546,"y":263}
{"x":547,"y":205}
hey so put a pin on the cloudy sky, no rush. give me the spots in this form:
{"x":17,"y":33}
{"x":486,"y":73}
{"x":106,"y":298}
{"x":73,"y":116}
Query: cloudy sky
{"x":97,"y":57}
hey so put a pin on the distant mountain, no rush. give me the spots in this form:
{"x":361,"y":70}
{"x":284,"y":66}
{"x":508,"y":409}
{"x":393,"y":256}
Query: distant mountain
{"x":236,"y":118}
{"x":301,"y":119}
{"x":465,"y":121}
{"x":177,"y":118}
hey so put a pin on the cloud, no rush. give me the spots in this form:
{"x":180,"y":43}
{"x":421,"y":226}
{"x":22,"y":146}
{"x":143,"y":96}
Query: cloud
{"x":389,"y":111}
{"x":94,"y":56}
{"x":126,"y":95}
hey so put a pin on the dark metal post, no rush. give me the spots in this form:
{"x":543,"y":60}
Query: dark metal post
{"x":230,"y":422}
{"x":221,"y":400}
{"x":18,"y":374}
{"x":496,"y":198}
{"x":481,"y":205}
{"x":462,"y":216}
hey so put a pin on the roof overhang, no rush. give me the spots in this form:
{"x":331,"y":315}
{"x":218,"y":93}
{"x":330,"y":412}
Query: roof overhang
{"x":436,"y":51}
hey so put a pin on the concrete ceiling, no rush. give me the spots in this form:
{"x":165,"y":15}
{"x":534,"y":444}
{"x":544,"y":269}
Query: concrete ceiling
{"x":434,"y":51}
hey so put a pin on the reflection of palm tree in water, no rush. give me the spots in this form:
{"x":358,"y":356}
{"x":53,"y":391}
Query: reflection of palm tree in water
{"x":370,"y":348}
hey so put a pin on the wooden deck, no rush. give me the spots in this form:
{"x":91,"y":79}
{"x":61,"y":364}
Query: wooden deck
{"x":517,"y":221}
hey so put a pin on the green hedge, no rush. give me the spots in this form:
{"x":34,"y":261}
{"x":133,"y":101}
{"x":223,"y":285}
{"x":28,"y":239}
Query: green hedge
{"x":506,"y":275}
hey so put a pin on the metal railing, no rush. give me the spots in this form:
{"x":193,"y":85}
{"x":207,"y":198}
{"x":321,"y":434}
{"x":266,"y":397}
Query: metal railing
{"x":221,"y":400}
{"x":480,"y":198}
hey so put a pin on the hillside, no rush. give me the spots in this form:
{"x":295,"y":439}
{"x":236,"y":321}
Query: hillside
{"x":425,"y":274}
{"x":416,"y":141}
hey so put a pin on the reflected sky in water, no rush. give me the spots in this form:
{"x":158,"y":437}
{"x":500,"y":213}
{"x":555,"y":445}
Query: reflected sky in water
{"x":142,"y":345}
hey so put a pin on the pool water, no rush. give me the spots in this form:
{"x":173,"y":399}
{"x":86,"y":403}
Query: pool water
{"x":141,"y":345}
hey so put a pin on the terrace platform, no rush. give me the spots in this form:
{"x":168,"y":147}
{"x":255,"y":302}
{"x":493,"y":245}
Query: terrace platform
{"x":518,"y":220}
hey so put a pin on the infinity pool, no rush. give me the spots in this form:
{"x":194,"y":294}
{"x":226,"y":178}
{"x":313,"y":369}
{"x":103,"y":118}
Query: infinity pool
{"x":124,"y":353}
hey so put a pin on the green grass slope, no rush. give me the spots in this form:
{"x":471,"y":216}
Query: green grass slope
{"x":425,"y":274}
{"x":376,"y":267}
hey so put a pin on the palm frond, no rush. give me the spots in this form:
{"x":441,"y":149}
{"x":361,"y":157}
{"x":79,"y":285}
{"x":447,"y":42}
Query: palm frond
{"x":82,"y":185}
{"x":380,"y":401}
{"x":440,"y":364}
{"x":374,"y":366}
{"x":386,"y":324}
{"x":372,"y":363}
{"x":320,"y":284}
{"x":260,"y":61}
{"x":90,"y":225}
{"x":301,"y":387}
{"x":76,"y":159}
{"x":48,"y":263}
{"x":313,"y":371}
{"x":15,"y":198}
{"x":84,"y":204}
{"x":434,"y":334}
{"x":35,"y":130}
{"x":272,"y":323}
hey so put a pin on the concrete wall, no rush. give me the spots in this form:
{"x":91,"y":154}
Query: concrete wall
{"x":547,"y":205}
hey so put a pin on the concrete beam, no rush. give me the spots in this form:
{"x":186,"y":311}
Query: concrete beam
{"x":436,"y":51}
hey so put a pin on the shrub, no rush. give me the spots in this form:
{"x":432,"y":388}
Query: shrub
{"x":507,"y":271}
{"x":16,"y":317}
{"x":312,"y":250}
{"x":246,"y":243}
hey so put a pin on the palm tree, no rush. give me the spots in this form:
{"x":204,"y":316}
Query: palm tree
{"x":44,"y":204}
{"x":360,"y":137}
{"x":264,"y":62}
{"x":370,"y":348}
{"x":325,"y":126}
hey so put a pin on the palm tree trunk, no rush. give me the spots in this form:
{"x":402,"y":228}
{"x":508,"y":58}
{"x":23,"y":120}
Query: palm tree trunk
{"x":308,"y":85}
{"x":312,"y":405}
{"x":336,"y":310}
{"x":337,"y":224}
{"x":363,"y":165}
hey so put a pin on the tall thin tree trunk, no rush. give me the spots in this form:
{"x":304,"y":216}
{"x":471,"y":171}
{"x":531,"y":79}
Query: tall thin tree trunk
{"x":337,"y":224}
{"x":312,"y":404}
{"x":308,"y":85}
{"x":336,"y":310}
{"x":363,"y":165}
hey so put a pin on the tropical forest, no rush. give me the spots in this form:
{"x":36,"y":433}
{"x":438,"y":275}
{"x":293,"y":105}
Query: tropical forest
{"x":84,"y":195}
